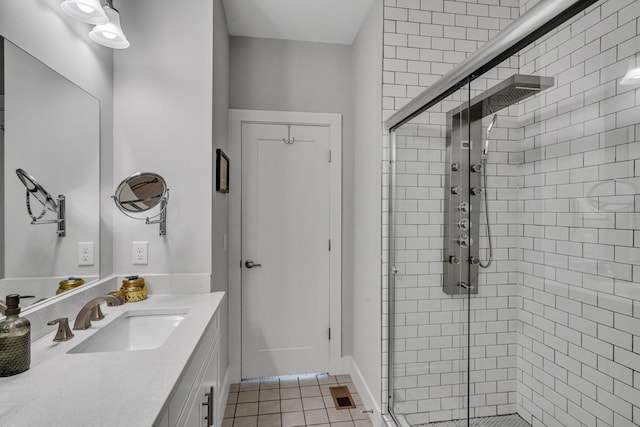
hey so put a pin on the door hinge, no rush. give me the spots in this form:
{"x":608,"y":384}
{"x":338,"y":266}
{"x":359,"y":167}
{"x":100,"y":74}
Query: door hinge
{"x":329,"y":156}
{"x":329,"y":334}
{"x":329,"y":245}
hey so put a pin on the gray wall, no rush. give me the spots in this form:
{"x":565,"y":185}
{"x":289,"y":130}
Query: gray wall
{"x":300,"y":76}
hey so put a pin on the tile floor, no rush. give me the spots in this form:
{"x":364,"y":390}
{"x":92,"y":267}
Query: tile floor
{"x":292,"y":401}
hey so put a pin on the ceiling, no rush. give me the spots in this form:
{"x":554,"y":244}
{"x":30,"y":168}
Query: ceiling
{"x":324,"y":21}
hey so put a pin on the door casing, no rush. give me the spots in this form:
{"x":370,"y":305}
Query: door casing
{"x":334,"y":121}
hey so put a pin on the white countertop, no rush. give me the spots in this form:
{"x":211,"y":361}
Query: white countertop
{"x":127,"y":388}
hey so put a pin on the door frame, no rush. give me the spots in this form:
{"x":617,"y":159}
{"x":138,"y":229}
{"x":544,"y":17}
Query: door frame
{"x":334,"y":122}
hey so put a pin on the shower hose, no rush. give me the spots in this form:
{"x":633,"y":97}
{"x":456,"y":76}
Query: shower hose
{"x":486,"y":212}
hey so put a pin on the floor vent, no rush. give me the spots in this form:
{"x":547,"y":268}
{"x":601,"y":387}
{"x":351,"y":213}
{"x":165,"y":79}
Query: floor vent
{"x":341,"y":397}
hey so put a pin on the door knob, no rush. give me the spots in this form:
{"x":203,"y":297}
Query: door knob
{"x":250,"y":264}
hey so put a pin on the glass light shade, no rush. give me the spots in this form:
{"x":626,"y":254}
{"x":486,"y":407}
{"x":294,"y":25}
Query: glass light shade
{"x":110,"y":34}
{"x":89,"y":11}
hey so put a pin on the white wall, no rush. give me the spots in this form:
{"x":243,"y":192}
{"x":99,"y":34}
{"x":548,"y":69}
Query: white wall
{"x":282,"y":75}
{"x":66,"y":48}
{"x":367,"y":195}
{"x":163,"y":123}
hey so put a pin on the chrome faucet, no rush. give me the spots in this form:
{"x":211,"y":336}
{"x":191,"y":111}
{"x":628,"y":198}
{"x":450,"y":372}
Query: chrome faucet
{"x":84,"y":317}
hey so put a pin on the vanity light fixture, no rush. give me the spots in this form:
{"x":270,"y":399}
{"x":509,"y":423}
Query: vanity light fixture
{"x":89,"y":11}
{"x":632,"y":77}
{"x":110,"y":34}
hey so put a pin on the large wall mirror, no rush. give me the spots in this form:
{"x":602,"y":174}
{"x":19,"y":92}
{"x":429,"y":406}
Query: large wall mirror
{"x":50,"y":128}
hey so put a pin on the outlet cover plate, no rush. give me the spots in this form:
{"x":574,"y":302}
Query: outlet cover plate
{"x":140,"y":253}
{"x":86,"y":253}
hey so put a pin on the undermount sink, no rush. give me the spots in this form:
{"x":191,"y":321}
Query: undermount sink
{"x":133,"y":330}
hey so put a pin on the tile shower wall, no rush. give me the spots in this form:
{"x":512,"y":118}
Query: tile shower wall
{"x":423,"y":41}
{"x":579,"y":315}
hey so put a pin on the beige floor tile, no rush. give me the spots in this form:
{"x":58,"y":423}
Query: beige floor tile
{"x":233,"y":398}
{"x":270,"y":394}
{"x":312,"y":403}
{"x":356,"y":399}
{"x":230,"y":411}
{"x":246,"y":409}
{"x":307,"y":381}
{"x":293,"y":419}
{"x":234,"y":388}
{"x":245,"y":422}
{"x":250,"y":385}
{"x":356,"y":414}
{"x":343,"y":424}
{"x":269,"y":384}
{"x":227,"y":422}
{"x":291,"y":405}
{"x":269,"y":407}
{"x":289,"y":382}
{"x":247,"y":396}
{"x":327,"y":379}
{"x":310,"y":391}
{"x":325,"y":389}
{"x":316,"y":416}
{"x":344,"y":379}
{"x":290,"y":393}
{"x":328,"y":402}
{"x":272,"y":420}
{"x":363,"y":423}
{"x":338,"y":415}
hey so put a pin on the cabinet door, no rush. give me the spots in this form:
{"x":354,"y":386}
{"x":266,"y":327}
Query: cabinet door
{"x":211,"y":385}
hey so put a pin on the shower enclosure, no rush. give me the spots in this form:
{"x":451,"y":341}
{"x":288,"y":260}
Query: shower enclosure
{"x":513,"y":242}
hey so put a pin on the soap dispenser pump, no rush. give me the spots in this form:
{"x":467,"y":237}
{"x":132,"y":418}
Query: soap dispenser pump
{"x":15,"y":339}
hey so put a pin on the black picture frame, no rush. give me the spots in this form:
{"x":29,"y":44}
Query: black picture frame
{"x":222,"y":171}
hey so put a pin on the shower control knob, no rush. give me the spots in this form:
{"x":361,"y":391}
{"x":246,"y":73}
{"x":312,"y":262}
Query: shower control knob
{"x":464,"y":224}
{"x":455,"y":190}
{"x":455,"y":166}
{"x":454,"y":260}
{"x":476,"y":167}
{"x":464,"y":241}
{"x":476,"y":191}
{"x":474,"y":260}
{"x":464,"y":207}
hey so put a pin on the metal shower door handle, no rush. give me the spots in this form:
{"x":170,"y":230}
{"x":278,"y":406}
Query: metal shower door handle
{"x":250,"y":264}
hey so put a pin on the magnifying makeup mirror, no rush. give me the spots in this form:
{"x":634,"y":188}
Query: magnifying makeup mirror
{"x":48,"y":203}
{"x":142,"y":192}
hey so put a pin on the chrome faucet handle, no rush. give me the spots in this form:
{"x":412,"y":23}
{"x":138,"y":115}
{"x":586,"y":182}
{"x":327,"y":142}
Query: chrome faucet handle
{"x":83,"y":319}
{"x":64,"y":333}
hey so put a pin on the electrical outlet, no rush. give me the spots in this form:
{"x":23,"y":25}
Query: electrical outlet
{"x":140,"y":253}
{"x":85,"y":253}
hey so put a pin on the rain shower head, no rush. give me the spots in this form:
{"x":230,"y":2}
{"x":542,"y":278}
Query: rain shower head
{"x":511,"y":91}
{"x":506,"y":93}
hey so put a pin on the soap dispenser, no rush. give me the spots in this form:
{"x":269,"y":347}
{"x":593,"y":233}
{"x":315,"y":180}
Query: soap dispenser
{"x":15,"y":339}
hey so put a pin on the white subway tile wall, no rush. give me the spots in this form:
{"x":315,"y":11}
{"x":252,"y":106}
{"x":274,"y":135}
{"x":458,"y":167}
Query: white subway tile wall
{"x":555,"y":328}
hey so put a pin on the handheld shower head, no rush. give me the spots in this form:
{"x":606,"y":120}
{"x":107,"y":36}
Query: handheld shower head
{"x":485,"y":150}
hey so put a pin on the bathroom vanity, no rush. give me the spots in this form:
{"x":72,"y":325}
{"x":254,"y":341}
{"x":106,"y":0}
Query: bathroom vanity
{"x":113,"y":375}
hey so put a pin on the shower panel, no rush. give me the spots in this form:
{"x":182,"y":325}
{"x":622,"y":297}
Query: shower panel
{"x":463,"y":179}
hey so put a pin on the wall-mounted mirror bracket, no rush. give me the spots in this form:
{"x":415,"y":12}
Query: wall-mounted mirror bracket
{"x":142,"y":192}
{"x":48,"y":203}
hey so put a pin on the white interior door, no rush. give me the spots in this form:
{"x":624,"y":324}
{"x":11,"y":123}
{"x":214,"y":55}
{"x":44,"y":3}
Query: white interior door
{"x":285,"y":233}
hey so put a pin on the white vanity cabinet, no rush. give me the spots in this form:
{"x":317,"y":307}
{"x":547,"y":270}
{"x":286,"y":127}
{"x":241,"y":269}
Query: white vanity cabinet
{"x":194,"y":402}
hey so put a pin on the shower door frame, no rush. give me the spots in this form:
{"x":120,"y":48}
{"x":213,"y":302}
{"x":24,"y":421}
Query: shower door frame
{"x":533,"y":24}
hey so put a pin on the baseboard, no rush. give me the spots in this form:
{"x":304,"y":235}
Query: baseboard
{"x":368,"y":399}
{"x":225,"y":385}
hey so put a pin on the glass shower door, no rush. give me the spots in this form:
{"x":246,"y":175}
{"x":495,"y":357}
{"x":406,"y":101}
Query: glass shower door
{"x":429,"y":286}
